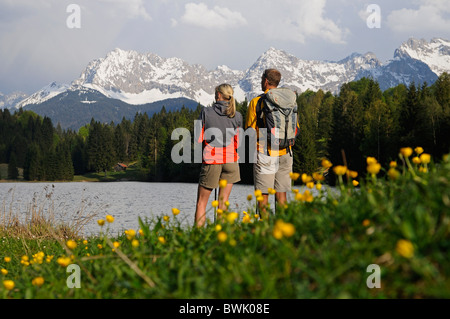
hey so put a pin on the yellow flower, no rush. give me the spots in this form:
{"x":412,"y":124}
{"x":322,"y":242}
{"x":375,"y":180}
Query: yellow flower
{"x":64,"y":261}
{"x":99,"y":246}
{"x":418,"y":150}
{"x":318,"y":176}
{"x":130,"y":233}
{"x":71,"y":244}
{"x":371,"y":160}
{"x":218,"y":227}
{"x":38,"y":281}
{"x":219,"y":211}
{"x":85,"y":242}
{"x":135,"y":243}
{"x":352,"y":174}
{"x":366,"y":223}
{"x":231,"y":217}
{"x":223,"y":183}
{"x":246,"y":219}
{"x":227,"y":204}
{"x":175,"y":211}
{"x":101,"y":222}
{"x":161,"y":239}
{"x":326,"y":163}
{"x":25,"y":260}
{"x":425,"y":158}
{"x":282,"y":229}
{"x":249,"y":197}
{"x":7,"y":259}
{"x":8,"y":284}
{"x":294,"y":176}
{"x":109,"y":218}
{"x":299,"y":196}
{"x":405,"y":248}
{"x":271,"y":191}
{"x":215,"y":203}
{"x":393,"y":173}
{"x":4,"y":271}
{"x":416,"y":160}
{"x":393,"y":164}
{"x":307,"y":196}
{"x":141,"y":232}
{"x":166,"y":218}
{"x":116,"y":244}
{"x":287,"y":229}
{"x":306,"y":178}
{"x":258,"y":193}
{"x":374,"y":168}
{"x":340,"y":170}
{"x":222,"y":236}
{"x":355,"y":182}
{"x":406,"y":151}
{"x":318,"y":186}
{"x":277,"y":233}
{"x":260,"y":198}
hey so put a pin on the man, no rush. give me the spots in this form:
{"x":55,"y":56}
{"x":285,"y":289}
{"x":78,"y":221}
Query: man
{"x":273,"y":164}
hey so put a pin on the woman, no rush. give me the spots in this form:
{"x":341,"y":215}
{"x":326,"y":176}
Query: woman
{"x":220,"y":139}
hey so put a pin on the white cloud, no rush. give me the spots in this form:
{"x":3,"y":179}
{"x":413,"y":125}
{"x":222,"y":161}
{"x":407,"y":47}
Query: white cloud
{"x":201,"y":16}
{"x":430,"y":16}
{"x":297,"y":20}
{"x":131,"y":8}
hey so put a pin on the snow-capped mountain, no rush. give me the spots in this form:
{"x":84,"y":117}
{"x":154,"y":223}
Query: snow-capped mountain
{"x":435,"y":54}
{"x":8,"y":101}
{"x":46,"y":93}
{"x":302,"y":75}
{"x":140,"y":78}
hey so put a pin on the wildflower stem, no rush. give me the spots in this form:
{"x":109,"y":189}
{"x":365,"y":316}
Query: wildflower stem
{"x":132,"y":265}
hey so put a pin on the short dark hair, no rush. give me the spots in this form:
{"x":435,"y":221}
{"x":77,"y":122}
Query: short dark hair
{"x":273,"y":76}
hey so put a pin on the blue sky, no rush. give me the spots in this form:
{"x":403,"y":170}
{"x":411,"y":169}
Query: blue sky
{"x":37,"y":47}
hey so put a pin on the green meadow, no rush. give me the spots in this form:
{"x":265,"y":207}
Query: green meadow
{"x":323,"y":246}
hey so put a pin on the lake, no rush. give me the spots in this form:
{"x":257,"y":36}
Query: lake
{"x":126,"y":201}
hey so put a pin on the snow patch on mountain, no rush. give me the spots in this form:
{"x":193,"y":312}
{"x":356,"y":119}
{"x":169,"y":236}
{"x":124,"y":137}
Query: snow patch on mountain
{"x":436,"y":53}
{"x":8,"y":101}
{"x":46,"y":93}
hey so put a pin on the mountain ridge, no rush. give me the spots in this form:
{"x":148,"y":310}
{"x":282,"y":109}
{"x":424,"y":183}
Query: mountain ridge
{"x":142,"y":78}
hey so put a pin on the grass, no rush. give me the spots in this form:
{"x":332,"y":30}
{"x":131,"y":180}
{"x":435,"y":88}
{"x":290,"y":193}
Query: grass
{"x":133,"y":173}
{"x":314,"y":247}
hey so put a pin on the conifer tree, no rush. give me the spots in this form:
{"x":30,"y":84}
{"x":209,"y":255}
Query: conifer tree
{"x":13,"y":172}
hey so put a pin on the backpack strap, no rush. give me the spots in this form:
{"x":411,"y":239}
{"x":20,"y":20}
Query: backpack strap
{"x":260,"y":121}
{"x":259,"y":111}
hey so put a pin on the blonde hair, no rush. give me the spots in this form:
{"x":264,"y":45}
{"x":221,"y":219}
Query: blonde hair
{"x":227,"y":92}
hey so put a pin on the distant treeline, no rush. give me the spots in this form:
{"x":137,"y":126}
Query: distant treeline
{"x":360,"y":121}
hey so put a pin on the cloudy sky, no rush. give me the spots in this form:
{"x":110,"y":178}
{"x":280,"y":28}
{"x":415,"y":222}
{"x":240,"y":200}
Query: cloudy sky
{"x":42,"y":41}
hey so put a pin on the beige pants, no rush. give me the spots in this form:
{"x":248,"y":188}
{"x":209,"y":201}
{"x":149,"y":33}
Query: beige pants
{"x":273,"y":172}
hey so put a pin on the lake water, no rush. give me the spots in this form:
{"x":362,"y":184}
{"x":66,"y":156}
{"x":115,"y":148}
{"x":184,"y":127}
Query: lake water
{"x":126,"y":201}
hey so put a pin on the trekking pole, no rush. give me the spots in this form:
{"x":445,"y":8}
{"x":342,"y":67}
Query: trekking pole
{"x":215,"y":198}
